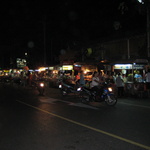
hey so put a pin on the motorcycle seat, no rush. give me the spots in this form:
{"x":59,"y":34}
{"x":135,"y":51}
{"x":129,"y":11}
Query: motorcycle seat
{"x":87,"y":88}
{"x":69,"y":85}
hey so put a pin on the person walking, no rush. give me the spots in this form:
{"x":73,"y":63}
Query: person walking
{"x":120,"y":85}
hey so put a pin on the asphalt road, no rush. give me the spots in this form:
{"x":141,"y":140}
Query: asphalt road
{"x":32,"y":122}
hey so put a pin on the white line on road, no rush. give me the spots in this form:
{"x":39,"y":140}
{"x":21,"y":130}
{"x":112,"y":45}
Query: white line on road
{"x":88,"y":127}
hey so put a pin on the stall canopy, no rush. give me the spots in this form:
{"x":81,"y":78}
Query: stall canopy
{"x":131,"y":61}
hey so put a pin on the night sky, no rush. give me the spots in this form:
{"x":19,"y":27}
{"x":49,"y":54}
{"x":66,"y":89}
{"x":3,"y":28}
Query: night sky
{"x":66,"y":23}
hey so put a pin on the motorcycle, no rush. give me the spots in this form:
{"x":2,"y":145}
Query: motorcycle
{"x":69,"y":88}
{"x":104,"y":94}
{"x":5,"y":79}
{"x":40,"y":86}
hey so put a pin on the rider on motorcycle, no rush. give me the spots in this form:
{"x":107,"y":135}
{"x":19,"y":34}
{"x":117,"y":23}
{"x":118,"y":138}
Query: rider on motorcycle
{"x":96,"y":84}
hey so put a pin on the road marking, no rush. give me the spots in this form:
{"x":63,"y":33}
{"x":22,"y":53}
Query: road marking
{"x":83,"y":105}
{"x":88,"y":127}
{"x":53,"y":100}
{"x":48,"y":100}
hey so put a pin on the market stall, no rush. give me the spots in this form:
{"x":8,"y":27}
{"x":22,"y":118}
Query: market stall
{"x":134,"y":71}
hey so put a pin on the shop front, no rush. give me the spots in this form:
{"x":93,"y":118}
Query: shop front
{"x":89,"y":69}
{"x":134,"y":71}
{"x":67,"y":68}
{"x":53,"y":75}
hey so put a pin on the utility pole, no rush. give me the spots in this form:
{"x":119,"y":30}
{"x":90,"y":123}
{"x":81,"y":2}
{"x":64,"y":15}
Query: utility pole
{"x":51,"y":52}
{"x":44,"y":28}
{"x":128,"y":47}
{"x":147,"y":4}
{"x":148,"y":30}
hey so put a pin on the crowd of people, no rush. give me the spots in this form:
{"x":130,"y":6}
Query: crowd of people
{"x":117,"y":80}
{"x":23,"y":78}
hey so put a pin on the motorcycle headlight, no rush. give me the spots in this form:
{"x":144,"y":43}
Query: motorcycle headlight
{"x":41,"y":84}
{"x":60,"y":86}
{"x":79,"y":89}
{"x":110,"y":89}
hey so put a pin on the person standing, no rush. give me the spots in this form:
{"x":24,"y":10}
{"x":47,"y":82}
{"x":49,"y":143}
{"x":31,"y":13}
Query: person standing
{"x":29,"y":80}
{"x":120,"y":85}
{"x":82,"y":79}
{"x":112,"y":80}
{"x":77,"y":78}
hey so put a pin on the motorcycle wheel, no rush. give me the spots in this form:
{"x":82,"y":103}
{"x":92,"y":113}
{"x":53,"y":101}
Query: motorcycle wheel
{"x":41,"y":92}
{"x":63,"y":92}
{"x":84,"y":97}
{"x":111,"y":100}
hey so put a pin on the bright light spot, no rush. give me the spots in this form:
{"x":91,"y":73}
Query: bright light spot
{"x":42,"y":69}
{"x":68,"y":67}
{"x":41,"y":84}
{"x":110,"y":89}
{"x":123,"y":66}
{"x":141,"y":1}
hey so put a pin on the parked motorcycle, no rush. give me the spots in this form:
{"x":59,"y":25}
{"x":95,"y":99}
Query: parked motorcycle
{"x":104,"y":94}
{"x":5,"y":79}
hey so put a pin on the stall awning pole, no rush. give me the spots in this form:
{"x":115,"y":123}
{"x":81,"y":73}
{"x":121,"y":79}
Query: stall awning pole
{"x":128,"y":48}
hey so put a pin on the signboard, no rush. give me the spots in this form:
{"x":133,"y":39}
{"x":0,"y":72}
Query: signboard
{"x":51,"y":68}
{"x":123,"y":66}
{"x":21,"y":62}
{"x":77,"y":67}
{"x":6,"y":71}
{"x":129,"y":66}
{"x":138,"y":66}
{"x":67,"y":67}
